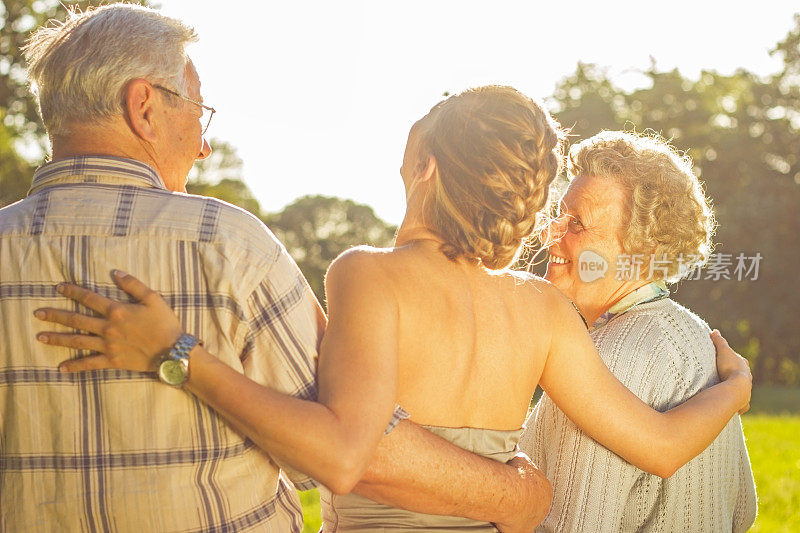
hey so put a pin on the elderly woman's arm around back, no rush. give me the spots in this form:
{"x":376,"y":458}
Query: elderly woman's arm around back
{"x":582,"y":386}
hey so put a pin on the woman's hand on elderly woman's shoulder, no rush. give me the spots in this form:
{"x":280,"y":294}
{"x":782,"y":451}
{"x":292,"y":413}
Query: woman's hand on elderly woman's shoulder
{"x":731,"y":365}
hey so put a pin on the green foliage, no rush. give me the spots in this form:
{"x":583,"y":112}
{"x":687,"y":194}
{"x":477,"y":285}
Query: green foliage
{"x":220,"y":176}
{"x":789,"y":50}
{"x":743,"y":135}
{"x":312,"y":520}
{"x":15,"y":173}
{"x":19,"y":18}
{"x":20,"y":120}
{"x":775,"y":400}
{"x":316,"y":229}
{"x":587,"y":100}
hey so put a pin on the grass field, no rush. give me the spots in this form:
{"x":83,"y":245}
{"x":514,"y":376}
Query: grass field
{"x":772,"y":430}
{"x":774,"y":445}
{"x":310,"y":501}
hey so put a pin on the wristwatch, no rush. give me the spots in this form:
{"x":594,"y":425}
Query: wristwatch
{"x":174,"y":367}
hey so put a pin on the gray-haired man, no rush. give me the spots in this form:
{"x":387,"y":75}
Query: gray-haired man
{"x":113,"y":450}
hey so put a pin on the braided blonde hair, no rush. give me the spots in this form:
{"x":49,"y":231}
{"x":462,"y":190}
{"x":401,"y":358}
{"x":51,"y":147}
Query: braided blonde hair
{"x":497,"y":151}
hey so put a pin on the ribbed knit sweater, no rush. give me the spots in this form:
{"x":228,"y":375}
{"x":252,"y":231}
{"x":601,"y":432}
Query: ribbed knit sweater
{"x":663,"y":353}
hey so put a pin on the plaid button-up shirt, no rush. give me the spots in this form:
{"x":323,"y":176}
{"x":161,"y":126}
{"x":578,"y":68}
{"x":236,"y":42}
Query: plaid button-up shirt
{"x":113,"y":450}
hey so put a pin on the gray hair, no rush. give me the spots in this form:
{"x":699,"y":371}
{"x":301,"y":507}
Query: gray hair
{"x":79,"y":69}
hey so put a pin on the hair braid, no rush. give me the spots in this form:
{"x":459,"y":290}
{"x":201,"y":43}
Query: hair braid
{"x":497,"y":152}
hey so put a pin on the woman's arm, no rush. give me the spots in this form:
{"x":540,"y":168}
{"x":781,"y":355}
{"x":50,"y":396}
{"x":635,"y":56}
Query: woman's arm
{"x":413,"y":468}
{"x":332,"y":441}
{"x":583,"y":387}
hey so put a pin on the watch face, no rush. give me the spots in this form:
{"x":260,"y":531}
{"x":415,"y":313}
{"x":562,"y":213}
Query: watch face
{"x":172,"y":372}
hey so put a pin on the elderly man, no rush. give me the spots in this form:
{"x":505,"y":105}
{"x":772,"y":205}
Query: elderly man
{"x":633,"y":218}
{"x":115,"y":450}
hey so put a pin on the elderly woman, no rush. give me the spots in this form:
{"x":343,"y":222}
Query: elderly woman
{"x":633,"y":219}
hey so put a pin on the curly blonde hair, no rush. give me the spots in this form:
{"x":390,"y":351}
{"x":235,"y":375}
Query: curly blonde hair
{"x":668,"y":215}
{"x":497,"y":151}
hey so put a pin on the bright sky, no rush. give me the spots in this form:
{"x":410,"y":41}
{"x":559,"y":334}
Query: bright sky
{"x":318,"y":96}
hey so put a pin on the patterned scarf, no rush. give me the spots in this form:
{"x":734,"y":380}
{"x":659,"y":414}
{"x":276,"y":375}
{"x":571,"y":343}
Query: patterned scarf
{"x":651,"y":292}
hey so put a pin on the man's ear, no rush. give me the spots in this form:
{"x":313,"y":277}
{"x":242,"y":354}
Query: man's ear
{"x":426,"y":169}
{"x":139,"y":103}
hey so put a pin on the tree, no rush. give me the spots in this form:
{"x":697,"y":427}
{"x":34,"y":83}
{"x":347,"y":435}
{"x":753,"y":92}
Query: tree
{"x":21,"y":126}
{"x":15,"y":172}
{"x":316,"y":229}
{"x":220,"y":176}
{"x":743,"y":134}
{"x":18,"y":19}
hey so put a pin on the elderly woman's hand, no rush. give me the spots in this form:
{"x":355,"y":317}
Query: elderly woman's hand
{"x":730,"y":364}
{"x":129,"y":336}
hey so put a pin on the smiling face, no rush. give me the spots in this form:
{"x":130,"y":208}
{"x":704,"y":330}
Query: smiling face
{"x":590,"y":222}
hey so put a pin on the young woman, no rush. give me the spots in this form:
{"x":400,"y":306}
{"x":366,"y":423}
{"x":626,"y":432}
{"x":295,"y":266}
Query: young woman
{"x":437,"y":324}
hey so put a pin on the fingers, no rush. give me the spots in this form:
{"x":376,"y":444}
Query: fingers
{"x":85,"y":297}
{"x":72,"y":340}
{"x":91,"y":362}
{"x":134,"y":287}
{"x":719,"y":341}
{"x":72,"y":320}
{"x":720,"y":345}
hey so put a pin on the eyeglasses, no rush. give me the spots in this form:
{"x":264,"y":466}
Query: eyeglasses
{"x":207,"y":112}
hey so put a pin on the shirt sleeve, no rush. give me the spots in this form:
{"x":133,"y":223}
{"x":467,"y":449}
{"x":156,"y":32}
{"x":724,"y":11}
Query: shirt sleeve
{"x":282,"y":337}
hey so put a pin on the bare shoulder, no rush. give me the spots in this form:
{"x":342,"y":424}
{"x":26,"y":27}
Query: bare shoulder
{"x":360,"y":266}
{"x":538,"y":289}
{"x":358,"y":259}
{"x":546,"y":306}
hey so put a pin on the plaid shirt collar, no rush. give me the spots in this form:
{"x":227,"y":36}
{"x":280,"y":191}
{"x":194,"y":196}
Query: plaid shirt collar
{"x":96,"y":169}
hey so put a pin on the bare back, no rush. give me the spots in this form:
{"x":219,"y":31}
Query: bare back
{"x":472,"y":344}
